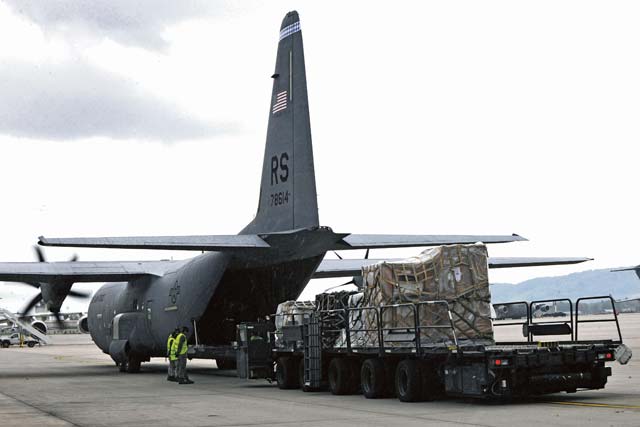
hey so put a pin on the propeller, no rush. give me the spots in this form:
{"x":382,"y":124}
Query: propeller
{"x":39,"y":297}
{"x":356,"y":280}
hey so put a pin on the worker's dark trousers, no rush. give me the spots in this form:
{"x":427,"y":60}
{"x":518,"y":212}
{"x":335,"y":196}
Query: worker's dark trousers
{"x":181,"y":373}
{"x":172,"y":368}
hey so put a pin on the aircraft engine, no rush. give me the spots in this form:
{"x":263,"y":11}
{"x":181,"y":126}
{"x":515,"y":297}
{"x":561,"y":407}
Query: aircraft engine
{"x":83,"y":325}
{"x":52,"y":295}
{"x":39,"y":325}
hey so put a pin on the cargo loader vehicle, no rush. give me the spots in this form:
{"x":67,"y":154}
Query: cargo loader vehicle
{"x":316,"y":349}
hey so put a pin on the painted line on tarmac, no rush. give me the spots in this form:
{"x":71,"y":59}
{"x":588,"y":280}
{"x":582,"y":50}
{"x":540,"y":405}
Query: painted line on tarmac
{"x":598,"y":405}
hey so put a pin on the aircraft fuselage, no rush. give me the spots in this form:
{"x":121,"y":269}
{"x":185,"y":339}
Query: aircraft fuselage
{"x":206,"y":289}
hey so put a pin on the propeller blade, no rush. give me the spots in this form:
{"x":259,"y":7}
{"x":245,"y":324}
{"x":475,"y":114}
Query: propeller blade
{"x":74,"y":258}
{"x":366,"y":254}
{"x":79,"y":294}
{"x":39,"y":254}
{"x":337,"y":254}
{"x":35,"y":300}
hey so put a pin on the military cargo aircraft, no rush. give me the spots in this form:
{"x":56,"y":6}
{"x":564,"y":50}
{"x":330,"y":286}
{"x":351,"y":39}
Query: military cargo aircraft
{"x":237,"y":277}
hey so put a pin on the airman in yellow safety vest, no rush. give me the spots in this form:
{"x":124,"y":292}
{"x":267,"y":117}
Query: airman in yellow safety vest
{"x":180,"y":348}
{"x":173,"y":358}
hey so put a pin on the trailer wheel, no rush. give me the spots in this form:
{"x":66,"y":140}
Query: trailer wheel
{"x":31,"y":343}
{"x":287,"y":373}
{"x":408,"y":381}
{"x":599,"y":377}
{"x":340,"y":376}
{"x":373,"y":378}
{"x":5,"y":344}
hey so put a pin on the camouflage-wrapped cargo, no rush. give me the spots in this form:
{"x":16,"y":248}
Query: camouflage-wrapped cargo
{"x":333,"y":320}
{"x":457,"y":274}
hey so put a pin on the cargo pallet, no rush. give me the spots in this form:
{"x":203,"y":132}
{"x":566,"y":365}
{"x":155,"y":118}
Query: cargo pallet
{"x":414,"y":369}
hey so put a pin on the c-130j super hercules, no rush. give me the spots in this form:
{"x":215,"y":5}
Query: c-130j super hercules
{"x":238,"y":277}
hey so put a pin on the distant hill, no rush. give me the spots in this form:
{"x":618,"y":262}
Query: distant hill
{"x":621,"y":285}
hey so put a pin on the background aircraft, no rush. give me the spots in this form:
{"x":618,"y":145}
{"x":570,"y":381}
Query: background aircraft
{"x":47,"y":322}
{"x":238,"y":277}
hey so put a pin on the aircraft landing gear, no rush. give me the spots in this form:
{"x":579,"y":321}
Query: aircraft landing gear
{"x":131,"y":365}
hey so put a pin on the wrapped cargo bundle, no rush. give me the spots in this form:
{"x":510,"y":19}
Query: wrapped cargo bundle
{"x":457,"y":274}
{"x":332,"y":322}
{"x":359,"y":334}
{"x":292,"y":313}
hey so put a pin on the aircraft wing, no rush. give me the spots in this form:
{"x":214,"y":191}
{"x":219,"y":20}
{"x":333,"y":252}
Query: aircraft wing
{"x":231,"y":243}
{"x":509,"y":262}
{"x":344,"y":267}
{"x":84,"y":271}
{"x":188,"y":243}
{"x":378,"y":241}
{"x":353,"y":267}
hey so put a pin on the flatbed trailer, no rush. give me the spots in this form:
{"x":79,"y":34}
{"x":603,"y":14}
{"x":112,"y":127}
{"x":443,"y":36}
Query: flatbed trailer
{"x":402,"y":363}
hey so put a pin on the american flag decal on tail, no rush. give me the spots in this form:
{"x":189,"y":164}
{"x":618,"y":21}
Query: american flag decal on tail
{"x":281,"y":102}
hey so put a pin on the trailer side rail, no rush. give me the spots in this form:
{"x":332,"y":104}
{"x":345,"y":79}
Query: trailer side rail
{"x":614,"y":319}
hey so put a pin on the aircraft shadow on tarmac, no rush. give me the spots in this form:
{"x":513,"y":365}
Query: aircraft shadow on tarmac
{"x":107,"y":370}
{"x":80,"y":371}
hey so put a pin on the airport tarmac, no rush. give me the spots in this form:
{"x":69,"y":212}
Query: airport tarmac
{"x":71,"y":382}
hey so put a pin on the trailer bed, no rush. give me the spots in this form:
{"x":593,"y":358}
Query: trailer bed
{"x":413,"y":369}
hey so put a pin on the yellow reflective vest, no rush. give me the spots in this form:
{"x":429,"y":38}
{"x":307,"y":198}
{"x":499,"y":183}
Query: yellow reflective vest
{"x":180,"y":345}
{"x":170,"y":353}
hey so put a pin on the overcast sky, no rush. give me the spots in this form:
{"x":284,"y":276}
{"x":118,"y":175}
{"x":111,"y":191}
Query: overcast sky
{"x":149,"y":118}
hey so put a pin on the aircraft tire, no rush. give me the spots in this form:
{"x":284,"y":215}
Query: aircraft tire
{"x":122,"y":366}
{"x":133,"y":365}
{"x":409,"y":381}
{"x":372,"y":378}
{"x":340,"y":376}
{"x":287,"y":373}
{"x":225,"y":364}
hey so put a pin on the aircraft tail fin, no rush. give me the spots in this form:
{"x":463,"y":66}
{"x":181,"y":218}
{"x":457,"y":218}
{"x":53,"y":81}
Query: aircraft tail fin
{"x":288,"y":198}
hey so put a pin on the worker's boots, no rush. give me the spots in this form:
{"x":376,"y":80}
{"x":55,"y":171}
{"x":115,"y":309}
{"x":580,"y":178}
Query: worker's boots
{"x":170,"y":378}
{"x":185,"y":381}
